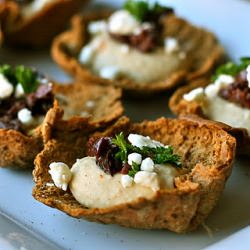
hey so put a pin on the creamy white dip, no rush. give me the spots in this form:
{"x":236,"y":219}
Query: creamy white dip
{"x":111,"y":59}
{"x":218,"y":109}
{"x":92,"y":187}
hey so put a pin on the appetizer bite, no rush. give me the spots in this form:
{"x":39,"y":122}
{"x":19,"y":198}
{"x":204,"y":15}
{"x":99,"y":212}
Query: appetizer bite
{"x":35,"y":22}
{"x":25,"y":98}
{"x":163,"y":174}
{"x":141,"y":47}
{"x":226,"y":99}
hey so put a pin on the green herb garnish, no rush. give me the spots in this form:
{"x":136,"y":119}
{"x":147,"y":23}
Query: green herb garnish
{"x":27,"y":78}
{"x":231,"y":68}
{"x":20,"y":74}
{"x":138,"y":9}
{"x":134,"y":169}
{"x":142,"y":9}
{"x":160,"y":155}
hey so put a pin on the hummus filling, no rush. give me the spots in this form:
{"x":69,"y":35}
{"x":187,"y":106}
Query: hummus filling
{"x":141,"y":67}
{"x":93,"y":188}
{"x":224,"y":111}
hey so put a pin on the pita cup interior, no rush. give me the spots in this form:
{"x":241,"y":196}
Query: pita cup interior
{"x":39,"y":29}
{"x":206,"y":151}
{"x":18,"y":150}
{"x":201,"y":47}
{"x":179,"y":106}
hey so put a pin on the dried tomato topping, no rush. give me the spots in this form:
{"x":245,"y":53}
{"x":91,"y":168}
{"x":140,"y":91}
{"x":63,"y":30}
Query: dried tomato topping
{"x":237,"y":92}
{"x":149,"y":38}
{"x":104,"y":151}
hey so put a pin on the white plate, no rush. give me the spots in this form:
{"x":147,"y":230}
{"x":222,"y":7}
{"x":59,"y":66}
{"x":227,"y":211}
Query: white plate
{"x":27,"y":224}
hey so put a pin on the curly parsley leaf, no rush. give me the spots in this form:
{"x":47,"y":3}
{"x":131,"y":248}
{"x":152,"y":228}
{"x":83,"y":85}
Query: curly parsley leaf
{"x":27,"y":78}
{"x":120,"y":141}
{"x":231,"y":68}
{"x":138,"y":9}
{"x":9,"y":73}
{"x":20,"y":74}
{"x":142,"y":10}
{"x":160,"y":155}
{"x":134,"y":169}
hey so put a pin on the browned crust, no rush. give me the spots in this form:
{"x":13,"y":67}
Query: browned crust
{"x":179,"y":106}
{"x":38,"y":30}
{"x":207,"y":154}
{"x":205,"y":53}
{"x":18,"y":150}
{"x":107,"y":101}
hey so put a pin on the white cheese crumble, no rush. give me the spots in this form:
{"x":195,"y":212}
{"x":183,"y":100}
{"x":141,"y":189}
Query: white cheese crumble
{"x":134,"y":157}
{"x":85,"y":114}
{"x":61,"y":174}
{"x":125,"y":49}
{"x":141,"y":141}
{"x":109,"y":72}
{"x":97,"y":27}
{"x":25,"y":116}
{"x":148,"y":179}
{"x":86,"y":54}
{"x":90,"y":104}
{"x":224,"y":80}
{"x":194,"y":95}
{"x":171,"y":45}
{"x":127,"y":181}
{"x":147,"y":165}
{"x":122,"y":22}
{"x":248,"y":75}
{"x":19,"y":91}
{"x":6,"y":88}
{"x":211,"y":90}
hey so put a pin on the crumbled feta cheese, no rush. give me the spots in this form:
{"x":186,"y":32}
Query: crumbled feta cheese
{"x":122,"y":22}
{"x":109,"y":72}
{"x":224,"y":80}
{"x":25,"y":116}
{"x":90,"y":104}
{"x":6,"y":88}
{"x":134,"y":157}
{"x":148,"y":179}
{"x":86,"y":54}
{"x":211,"y":90}
{"x":194,"y":95}
{"x":85,"y":114}
{"x":147,"y":165}
{"x":171,"y":45}
{"x":141,"y":141}
{"x":248,"y":75}
{"x":126,"y":181}
{"x":125,"y":49}
{"x":19,"y":91}
{"x":97,"y":27}
{"x":61,"y":174}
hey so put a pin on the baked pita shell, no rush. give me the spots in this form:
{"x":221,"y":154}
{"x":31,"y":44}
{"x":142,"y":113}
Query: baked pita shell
{"x":207,"y":154}
{"x":204,"y":51}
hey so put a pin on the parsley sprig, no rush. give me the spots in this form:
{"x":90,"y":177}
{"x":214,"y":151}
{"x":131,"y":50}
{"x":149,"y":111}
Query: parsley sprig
{"x":160,"y":155}
{"x":134,"y":169}
{"x":232,"y":68}
{"x":26,"y":76}
{"x":142,"y":9}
